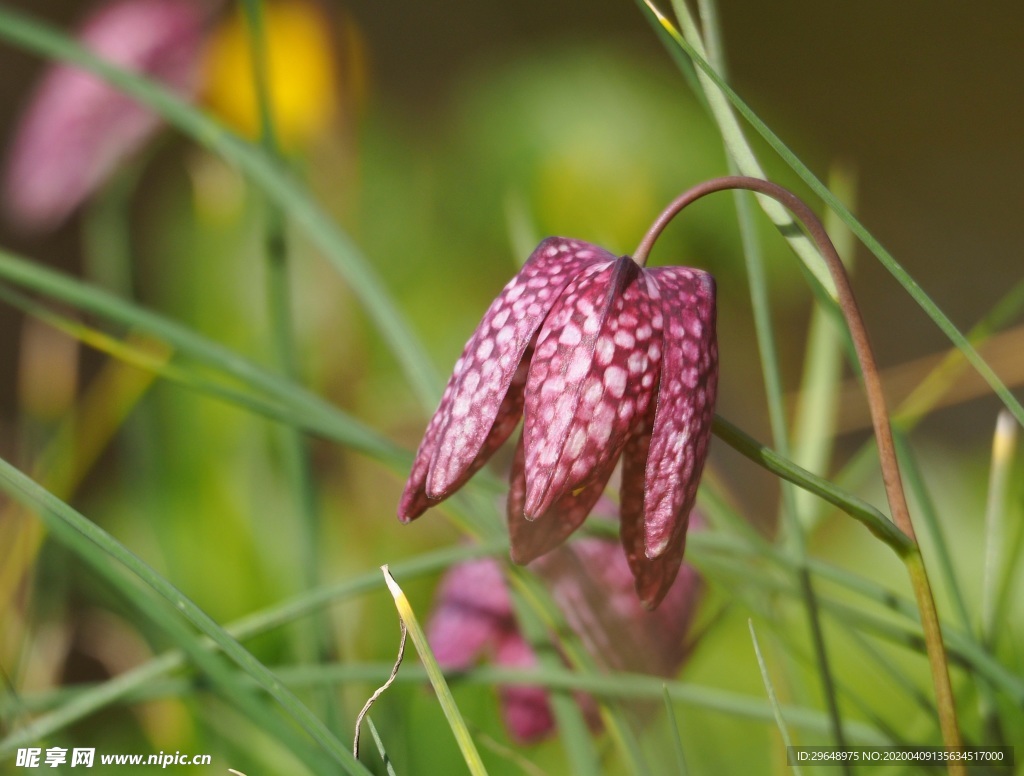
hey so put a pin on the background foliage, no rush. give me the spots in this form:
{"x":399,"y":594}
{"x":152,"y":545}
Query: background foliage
{"x":448,"y":150}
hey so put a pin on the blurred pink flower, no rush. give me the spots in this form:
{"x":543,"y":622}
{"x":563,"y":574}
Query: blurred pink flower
{"x":592,"y":585}
{"x":603,"y":359}
{"x":77,"y":129}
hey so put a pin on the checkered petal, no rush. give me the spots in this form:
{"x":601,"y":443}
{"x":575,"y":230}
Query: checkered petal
{"x":686,"y":402}
{"x":414,"y":500}
{"x":662,"y":462}
{"x":592,"y":375}
{"x":652,"y":577}
{"x":532,"y":538}
{"x":483,"y":399}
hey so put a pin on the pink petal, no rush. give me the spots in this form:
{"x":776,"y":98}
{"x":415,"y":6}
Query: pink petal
{"x":485,"y":389}
{"x":532,"y":538}
{"x":593,"y":586}
{"x":686,"y":403}
{"x":526,"y":710}
{"x":662,"y":462}
{"x":592,"y":375}
{"x":77,"y":128}
{"x":414,"y":501}
{"x":472,"y":611}
{"x":653,"y":577}
{"x":494,"y":352}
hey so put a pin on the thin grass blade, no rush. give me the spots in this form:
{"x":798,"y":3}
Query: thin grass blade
{"x":677,"y":742}
{"x":85,"y":537}
{"x":1004,"y":446}
{"x":437,"y":680}
{"x":388,"y":765}
{"x":913,"y":289}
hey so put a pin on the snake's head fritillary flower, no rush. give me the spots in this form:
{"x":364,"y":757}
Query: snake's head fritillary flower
{"x":604,"y":359}
{"x":78,"y":129}
{"x":591,"y":582}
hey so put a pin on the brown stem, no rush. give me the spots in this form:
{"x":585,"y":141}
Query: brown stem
{"x":847,"y":302}
{"x":876,"y":403}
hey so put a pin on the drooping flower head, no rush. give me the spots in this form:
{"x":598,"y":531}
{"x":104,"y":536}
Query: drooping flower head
{"x":603,"y":359}
{"x":592,"y":585}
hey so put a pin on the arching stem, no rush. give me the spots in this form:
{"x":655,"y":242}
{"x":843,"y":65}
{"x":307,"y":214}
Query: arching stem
{"x":876,"y":402}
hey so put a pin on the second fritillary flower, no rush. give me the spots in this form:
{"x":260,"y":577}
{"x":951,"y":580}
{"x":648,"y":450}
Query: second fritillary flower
{"x":591,"y":583}
{"x":604,"y":359}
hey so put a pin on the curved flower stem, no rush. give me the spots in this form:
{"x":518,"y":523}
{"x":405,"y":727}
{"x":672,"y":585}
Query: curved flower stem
{"x":879,"y":415}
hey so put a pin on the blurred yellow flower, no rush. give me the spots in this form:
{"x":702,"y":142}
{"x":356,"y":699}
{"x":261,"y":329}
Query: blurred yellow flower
{"x":302,"y":74}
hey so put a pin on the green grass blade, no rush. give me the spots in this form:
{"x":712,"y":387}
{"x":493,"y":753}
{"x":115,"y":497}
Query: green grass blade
{"x":631,"y":687}
{"x":793,"y":530}
{"x":129,"y":684}
{"x":437,"y":680}
{"x":935,"y":384}
{"x":619,"y":686}
{"x":928,"y":392}
{"x":932,"y":526}
{"x":146,"y":356}
{"x":1008,"y":587}
{"x":82,"y":536}
{"x":860,"y":510}
{"x":1004,"y":445}
{"x":380,"y":747}
{"x":315,"y":642}
{"x":780,"y":721}
{"x":741,"y":561}
{"x":913,"y":289}
{"x":894,"y":671}
{"x":89,"y":299}
{"x":702,"y":549}
{"x":740,"y":151}
{"x":814,"y":420}
{"x":677,"y":742}
{"x":277,"y":184}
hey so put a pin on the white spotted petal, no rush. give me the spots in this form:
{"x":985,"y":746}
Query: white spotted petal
{"x":414,"y":500}
{"x":686,"y":401}
{"x":652,"y":577}
{"x":530,"y":539}
{"x":482,"y":402}
{"x":591,"y":378}
{"x":663,"y":461}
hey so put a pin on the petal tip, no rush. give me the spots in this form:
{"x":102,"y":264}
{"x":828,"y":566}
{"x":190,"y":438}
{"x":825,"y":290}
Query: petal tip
{"x":519,"y":557}
{"x":651,"y":596}
{"x":407,"y":513}
{"x":414,"y":502}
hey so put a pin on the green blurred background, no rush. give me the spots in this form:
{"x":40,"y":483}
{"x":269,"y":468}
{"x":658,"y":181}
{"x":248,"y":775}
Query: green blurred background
{"x":473,"y":110}
{"x":464,"y":133}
